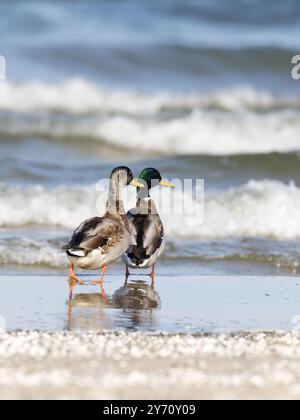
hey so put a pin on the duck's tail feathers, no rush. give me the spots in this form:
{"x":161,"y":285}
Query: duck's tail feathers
{"x":76,"y":252}
{"x":134,"y":261}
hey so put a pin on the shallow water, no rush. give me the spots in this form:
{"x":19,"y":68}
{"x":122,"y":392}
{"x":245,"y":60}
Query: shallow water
{"x":175,"y":304}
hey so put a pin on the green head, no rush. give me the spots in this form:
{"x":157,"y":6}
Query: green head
{"x":150,"y":178}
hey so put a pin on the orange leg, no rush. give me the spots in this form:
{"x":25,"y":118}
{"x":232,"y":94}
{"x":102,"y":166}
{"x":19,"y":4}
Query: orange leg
{"x":127,"y":274}
{"x":102,"y":291}
{"x":73,"y":280}
{"x":71,"y":287}
{"x":73,"y":277}
{"x":100,"y":282}
{"x":152,"y":275}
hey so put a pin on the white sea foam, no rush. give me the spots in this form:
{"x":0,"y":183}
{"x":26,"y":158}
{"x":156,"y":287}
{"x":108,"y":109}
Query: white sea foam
{"x":196,"y":133}
{"x":257,"y":209}
{"x":81,"y":96}
{"x":203,"y":133}
{"x":241,"y":120}
{"x":62,"y":206}
{"x":31,"y":252}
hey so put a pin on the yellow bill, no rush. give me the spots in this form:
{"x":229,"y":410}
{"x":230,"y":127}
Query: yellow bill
{"x":137,"y":184}
{"x":166,"y":183}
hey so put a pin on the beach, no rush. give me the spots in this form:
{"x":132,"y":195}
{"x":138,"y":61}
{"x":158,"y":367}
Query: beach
{"x":186,"y":338}
{"x":149,"y":366}
{"x":176,"y":304}
{"x":203,"y":92}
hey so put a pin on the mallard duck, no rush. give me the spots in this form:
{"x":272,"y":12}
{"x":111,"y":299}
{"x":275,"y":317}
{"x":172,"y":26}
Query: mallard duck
{"x":136,"y":295}
{"x":100,"y":241}
{"x":147,"y":226}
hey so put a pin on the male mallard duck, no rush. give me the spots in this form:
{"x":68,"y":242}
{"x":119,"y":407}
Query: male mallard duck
{"x":147,"y":225}
{"x":100,"y":241}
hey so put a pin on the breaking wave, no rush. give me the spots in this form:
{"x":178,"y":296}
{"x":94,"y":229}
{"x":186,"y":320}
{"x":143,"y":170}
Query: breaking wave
{"x":241,"y":120}
{"x":79,"y":96}
{"x":267,"y":209}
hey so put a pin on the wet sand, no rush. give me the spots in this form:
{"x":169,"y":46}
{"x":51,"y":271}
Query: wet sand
{"x":150,"y":366}
{"x":178,"y":304}
{"x":186,"y":338}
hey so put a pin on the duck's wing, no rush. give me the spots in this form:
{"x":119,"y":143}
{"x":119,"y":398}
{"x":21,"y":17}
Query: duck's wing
{"x":153,"y":234}
{"x":98,"y":232}
{"x":149,"y":233}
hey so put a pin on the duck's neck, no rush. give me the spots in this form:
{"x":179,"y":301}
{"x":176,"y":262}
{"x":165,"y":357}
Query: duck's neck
{"x":115,"y":205}
{"x":143,"y":194}
{"x":146,"y":205}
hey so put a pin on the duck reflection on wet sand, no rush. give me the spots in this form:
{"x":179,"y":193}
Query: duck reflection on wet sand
{"x":129,"y":307}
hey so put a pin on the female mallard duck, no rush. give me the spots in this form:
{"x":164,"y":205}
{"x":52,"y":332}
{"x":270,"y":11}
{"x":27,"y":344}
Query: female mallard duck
{"x":100,"y":241}
{"x":146,"y":225}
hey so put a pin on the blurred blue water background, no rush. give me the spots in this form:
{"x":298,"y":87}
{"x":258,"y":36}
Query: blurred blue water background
{"x":199,"y":89}
{"x":174,"y":44}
